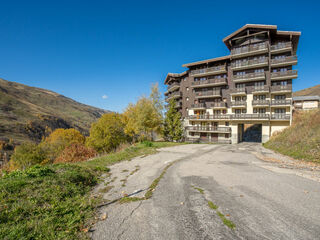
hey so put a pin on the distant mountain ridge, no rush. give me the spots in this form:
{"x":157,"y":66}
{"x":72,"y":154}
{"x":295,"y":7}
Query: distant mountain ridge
{"x":26,"y":113}
{"x":312,"y":91}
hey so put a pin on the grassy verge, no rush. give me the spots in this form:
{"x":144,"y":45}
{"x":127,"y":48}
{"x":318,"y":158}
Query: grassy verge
{"x":302,"y":139}
{"x":53,"y":202}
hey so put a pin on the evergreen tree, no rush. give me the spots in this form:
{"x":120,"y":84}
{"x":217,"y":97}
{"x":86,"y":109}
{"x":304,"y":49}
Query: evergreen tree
{"x":173,"y":130}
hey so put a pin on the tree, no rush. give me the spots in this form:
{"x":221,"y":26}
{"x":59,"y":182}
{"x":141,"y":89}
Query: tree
{"x":107,"y":133}
{"x":59,"y":139}
{"x":173,"y":130}
{"x":142,"y":119}
{"x":26,"y":155}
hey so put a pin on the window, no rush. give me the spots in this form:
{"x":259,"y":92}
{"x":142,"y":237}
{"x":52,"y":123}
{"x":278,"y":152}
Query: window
{"x":227,"y":124}
{"x":259,"y":97}
{"x":187,"y":99}
{"x":259,"y":110}
{"x":238,"y":111}
{"x":279,"y":97}
{"x":280,"y":110}
{"x":187,"y":89}
{"x":244,"y":110}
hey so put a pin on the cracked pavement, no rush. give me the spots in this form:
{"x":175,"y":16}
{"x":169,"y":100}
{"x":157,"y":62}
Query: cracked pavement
{"x":266,"y":195}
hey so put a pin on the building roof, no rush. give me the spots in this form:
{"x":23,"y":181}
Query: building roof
{"x":206,"y":61}
{"x":273,"y":28}
{"x":174,"y":75}
{"x":306,"y":98}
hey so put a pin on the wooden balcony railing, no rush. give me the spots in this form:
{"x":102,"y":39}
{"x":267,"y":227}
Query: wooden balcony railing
{"x":239,"y":91}
{"x":281,"y":102}
{"x":261,"y":116}
{"x":281,"y":88}
{"x":209,"y":129}
{"x":173,"y":95}
{"x":289,"y":59}
{"x":173,"y":85}
{"x":211,"y":82}
{"x":280,"y":116}
{"x":249,"y":63}
{"x":197,"y":139}
{"x":260,"y":102}
{"x":208,"y":70}
{"x":260,"y":89}
{"x":208,"y":117}
{"x":249,"y":48}
{"x":249,"y":76}
{"x":198,"y":105}
{"x":284,"y":74}
{"x":218,"y":105}
{"x":207,"y":94}
{"x":238,"y":103}
{"x":281,"y":45}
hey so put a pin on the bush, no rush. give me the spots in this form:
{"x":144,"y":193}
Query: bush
{"x":147,"y":143}
{"x":26,"y":155}
{"x":107,"y":133}
{"x":76,"y":153}
{"x":59,"y":139}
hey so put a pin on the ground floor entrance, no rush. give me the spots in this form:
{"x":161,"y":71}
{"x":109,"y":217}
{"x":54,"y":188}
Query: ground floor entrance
{"x":249,"y":132}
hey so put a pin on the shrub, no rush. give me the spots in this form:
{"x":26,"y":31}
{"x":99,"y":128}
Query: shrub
{"x":26,"y":155}
{"x":76,"y":153}
{"x":107,"y":133}
{"x":59,"y":139}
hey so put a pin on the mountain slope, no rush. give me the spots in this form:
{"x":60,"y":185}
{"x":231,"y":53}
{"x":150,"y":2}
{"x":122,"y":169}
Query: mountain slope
{"x":26,"y":112}
{"x":302,"y":139}
{"x":312,"y":91}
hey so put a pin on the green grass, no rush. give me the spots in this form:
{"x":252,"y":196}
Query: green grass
{"x":54,"y":201}
{"x":212,"y":205}
{"x":199,"y":189}
{"x":301,"y":140}
{"x":226,"y":221}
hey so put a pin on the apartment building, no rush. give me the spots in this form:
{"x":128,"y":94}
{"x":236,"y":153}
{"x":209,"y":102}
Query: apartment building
{"x":245,"y":96}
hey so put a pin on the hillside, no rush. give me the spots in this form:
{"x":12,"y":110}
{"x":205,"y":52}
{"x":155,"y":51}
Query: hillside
{"x":302,"y":139}
{"x":26,"y":112}
{"x":315,"y":90}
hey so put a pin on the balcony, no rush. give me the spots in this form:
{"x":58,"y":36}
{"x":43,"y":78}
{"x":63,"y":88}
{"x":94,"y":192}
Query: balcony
{"x":238,"y":91}
{"x":209,"y":117}
{"x":280,"y":116}
{"x":260,"y":89}
{"x":281,"y":89}
{"x":281,"y":47}
{"x":249,"y":50}
{"x":261,"y":103}
{"x":197,"y":139}
{"x":218,"y":105}
{"x":252,"y":63}
{"x":258,"y":116}
{"x":209,"y":129}
{"x":198,"y":106}
{"x":173,"y":95}
{"x":249,"y":77}
{"x":285,"y":61}
{"x":173,"y":87}
{"x":239,"y":104}
{"x":289,"y":74}
{"x":207,"y":94}
{"x":281,"y":102}
{"x":178,"y":105}
{"x":208,"y":71}
{"x":209,"y":83}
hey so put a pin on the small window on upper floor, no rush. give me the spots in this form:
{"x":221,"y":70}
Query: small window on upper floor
{"x":227,"y":124}
{"x":187,"y":89}
{"x":187,"y":99}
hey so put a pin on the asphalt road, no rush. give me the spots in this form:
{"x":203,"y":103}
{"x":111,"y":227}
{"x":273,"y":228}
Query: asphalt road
{"x":263,"y":199}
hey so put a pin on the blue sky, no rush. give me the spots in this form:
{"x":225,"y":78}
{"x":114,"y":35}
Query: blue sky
{"x":89,"y":49}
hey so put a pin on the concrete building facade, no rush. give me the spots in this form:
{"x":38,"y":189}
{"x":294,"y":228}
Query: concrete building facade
{"x":245,"y":96}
